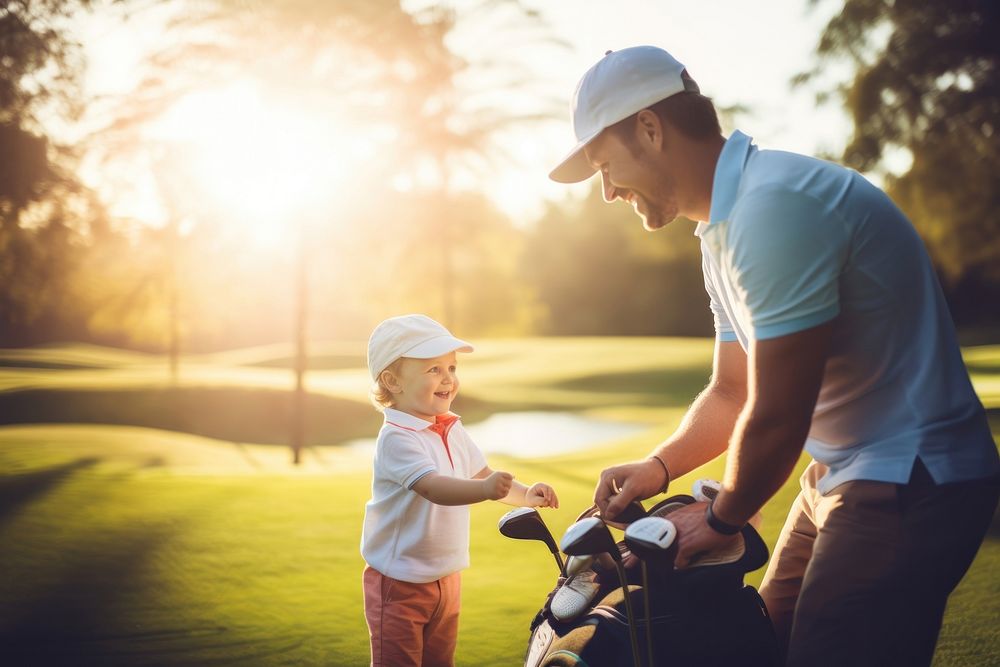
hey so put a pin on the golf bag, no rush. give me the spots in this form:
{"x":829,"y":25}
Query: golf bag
{"x":701,"y":616}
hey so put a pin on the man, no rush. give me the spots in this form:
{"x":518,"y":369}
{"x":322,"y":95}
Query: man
{"x":831,"y":334}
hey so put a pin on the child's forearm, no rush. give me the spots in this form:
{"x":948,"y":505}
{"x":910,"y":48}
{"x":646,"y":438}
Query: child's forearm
{"x":517,"y":495}
{"x":443,"y":490}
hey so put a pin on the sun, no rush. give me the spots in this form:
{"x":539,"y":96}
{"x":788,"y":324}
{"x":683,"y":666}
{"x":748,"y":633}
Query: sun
{"x":248,"y":157}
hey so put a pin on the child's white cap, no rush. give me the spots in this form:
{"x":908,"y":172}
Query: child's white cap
{"x":414,"y":336}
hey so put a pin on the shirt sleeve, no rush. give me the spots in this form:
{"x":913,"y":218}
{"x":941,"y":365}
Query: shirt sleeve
{"x":723,"y":327}
{"x":403,"y":459}
{"x":785,"y":253}
{"x":475,"y":460}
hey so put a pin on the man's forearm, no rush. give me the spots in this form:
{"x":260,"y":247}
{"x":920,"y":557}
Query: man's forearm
{"x":761,"y":457}
{"x":785,"y":378}
{"x":704,"y":432}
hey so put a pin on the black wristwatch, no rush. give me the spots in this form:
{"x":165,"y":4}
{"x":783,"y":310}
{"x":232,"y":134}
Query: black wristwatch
{"x":717,"y":524}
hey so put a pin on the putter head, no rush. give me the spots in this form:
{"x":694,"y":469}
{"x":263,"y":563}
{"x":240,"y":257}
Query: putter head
{"x":587,"y":537}
{"x":525,"y":523}
{"x":653,"y":539}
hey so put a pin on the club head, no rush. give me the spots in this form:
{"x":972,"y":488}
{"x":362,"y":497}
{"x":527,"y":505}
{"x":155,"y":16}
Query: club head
{"x":577,"y":564}
{"x":525,"y":523}
{"x":587,"y":537}
{"x":632,"y":512}
{"x":591,"y":536}
{"x":654,"y":540}
{"x":705,"y":490}
{"x":664,"y":509}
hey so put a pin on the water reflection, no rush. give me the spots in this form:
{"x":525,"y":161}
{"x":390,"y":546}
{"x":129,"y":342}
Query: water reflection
{"x":537,"y":434}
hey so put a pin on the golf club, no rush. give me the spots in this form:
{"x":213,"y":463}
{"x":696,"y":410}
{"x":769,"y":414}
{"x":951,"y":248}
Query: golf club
{"x":705,"y":490}
{"x":653,"y":540}
{"x":525,"y":523}
{"x":577,"y":564}
{"x":591,"y":536}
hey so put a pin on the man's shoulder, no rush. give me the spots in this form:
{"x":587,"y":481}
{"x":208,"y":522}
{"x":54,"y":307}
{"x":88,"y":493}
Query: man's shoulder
{"x":773,"y":179}
{"x":794,"y":171}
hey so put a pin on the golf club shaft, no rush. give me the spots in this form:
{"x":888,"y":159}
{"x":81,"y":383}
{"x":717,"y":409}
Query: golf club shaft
{"x":559,"y":562}
{"x":636,"y":660}
{"x":649,"y":616}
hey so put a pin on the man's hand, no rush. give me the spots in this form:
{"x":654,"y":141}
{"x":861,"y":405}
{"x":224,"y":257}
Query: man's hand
{"x":695,"y":537}
{"x":498,"y":485}
{"x":622,"y":484}
{"x":540,"y":494}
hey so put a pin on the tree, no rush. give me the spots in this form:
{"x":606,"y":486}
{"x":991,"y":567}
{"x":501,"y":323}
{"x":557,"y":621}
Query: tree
{"x":40,"y":74}
{"x":44,"y":211}
{"x":927,"y":82}
{"x":449,"y":114}
{"x":599,"y":273}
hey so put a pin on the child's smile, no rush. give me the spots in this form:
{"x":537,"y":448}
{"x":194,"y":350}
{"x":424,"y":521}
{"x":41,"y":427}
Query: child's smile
{"x":426,"y":387}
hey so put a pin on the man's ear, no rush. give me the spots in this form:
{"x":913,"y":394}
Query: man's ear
{"x":391,"y":382}
{"x":649,"y":128}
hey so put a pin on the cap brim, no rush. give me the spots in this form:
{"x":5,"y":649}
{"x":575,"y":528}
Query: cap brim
{"x":435,"y":347}
{"x":575,"y":167}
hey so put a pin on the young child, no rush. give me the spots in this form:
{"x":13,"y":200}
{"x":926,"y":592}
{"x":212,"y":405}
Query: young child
{"x":426,"y":472}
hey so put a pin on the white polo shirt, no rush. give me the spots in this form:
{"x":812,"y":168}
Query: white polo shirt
{"x":406,"y":536}
{"x":793,"y":242}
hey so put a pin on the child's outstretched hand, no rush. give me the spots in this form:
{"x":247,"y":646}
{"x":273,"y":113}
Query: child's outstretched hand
{"x":498,"y":485}
{"x":540,"y":494}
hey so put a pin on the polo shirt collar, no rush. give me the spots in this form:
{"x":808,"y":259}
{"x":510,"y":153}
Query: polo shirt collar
{"x":406,"y":420}
{"x":726,"y":183}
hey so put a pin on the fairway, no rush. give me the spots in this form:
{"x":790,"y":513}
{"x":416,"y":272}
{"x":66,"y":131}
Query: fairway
{"x":143,"y":523}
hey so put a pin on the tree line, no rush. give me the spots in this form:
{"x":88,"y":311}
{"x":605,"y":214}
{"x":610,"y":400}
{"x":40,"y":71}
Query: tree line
{"x":69,"y":270}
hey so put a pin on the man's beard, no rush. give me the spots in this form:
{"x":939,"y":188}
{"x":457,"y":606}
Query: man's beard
{"x":656,"y":216}
{"x":655,"y":219}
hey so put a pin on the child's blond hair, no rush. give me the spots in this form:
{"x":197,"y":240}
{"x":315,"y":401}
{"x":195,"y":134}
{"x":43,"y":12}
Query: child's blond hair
{"x":379,"y":393}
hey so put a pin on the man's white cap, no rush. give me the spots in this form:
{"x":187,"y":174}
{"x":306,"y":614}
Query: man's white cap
{"x":414,"y":336}
{"x":620,"y":84}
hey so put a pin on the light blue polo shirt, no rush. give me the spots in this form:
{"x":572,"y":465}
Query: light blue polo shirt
{"x":793,"y":242}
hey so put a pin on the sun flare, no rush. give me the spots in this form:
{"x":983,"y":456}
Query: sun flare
{"x":255,"y":159}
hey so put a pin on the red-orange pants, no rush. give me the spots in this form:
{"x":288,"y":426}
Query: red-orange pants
{"x":412,"y":624}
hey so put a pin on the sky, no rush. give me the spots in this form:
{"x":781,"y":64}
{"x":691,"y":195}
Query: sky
{"x":741,"y":53}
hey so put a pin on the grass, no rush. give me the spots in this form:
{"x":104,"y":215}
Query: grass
{"x":122,"y":544}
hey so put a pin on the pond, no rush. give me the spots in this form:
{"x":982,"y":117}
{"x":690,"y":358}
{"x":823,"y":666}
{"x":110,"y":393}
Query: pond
{"x":537,"y":434}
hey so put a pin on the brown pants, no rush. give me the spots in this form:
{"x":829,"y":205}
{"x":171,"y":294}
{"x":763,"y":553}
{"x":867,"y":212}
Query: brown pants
{"x":412,"y":625}
{"x":861,"y":576}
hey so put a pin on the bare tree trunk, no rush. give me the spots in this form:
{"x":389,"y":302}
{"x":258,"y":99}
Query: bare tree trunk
{"x":447,"y":273}
{"x":447,"y":247}
{"x":174,"y":345}
{"x":173,"y":308}
{"x":301,"y":358}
